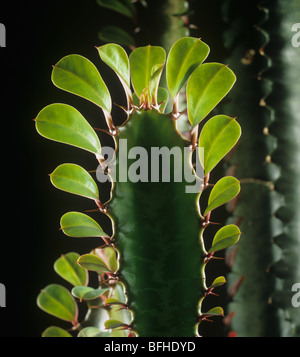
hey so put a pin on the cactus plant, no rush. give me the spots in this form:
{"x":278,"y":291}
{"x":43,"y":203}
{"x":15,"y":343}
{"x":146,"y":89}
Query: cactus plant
{"x":152,"y":269}
{"x":266,"y":264}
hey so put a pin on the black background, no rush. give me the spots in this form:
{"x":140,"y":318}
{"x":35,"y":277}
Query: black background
{"x":38,"y":35}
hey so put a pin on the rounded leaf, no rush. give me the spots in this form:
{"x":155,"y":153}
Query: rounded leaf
{"x":208,"y":84}
{"x":56,"y":300}
{"x":116,"y":58}
{"x":217,"y":138}
{"x":92,"y":331}
{"x":54,"y":331}
{"x":66,"y":266}
{"x":184,"y":57}
{"x":109,"y":324}
{"x":93,"y":263}
{"x":76,"y":180}
{"x":223,"y":191}
{"x":215,"y":311}
{"x":225,"y":237}
{"x":220,"y":280}
{"x":78,"y":75}
{"x":142,"y":60}
{"x":87,"y":293}
{"x":78,"y":225}
{"x":63,"y":123}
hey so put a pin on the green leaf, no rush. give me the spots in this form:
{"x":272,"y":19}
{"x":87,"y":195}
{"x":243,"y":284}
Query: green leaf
{"x":162,"y":98}
{"x":87,"y":293}
{"x":54,"y":331}
{"x":76,"y":180}
{"x":63,"y":123}
{"x":184,"y":57}
{"x":154,"y":82}
{"x":109,"y":255}
{"x":56,"y":300}
{"x":109,"y":324}
{"x":217,"y":138}
{"x":215,"y":311}
{"x":77,"y":75}
{"x":225,"y":237}
{"x":93,"y":263}
{"x":113,"y":301}
{"x":223,"y":191}
{"x":78,"y":225}
{"x":116,"y":58}
{"x":220,"y":280}
{"x":117,"y":35}
{"x":143,"y":61}
{"x":124,"y":7}
{"x":92,"y":331}
{"x":66,"y":266}
{"x":206,"y":87}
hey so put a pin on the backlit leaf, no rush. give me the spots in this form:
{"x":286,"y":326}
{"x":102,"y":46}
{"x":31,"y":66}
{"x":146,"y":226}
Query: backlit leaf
{"x":206,"y":87}
{"x":217,"y":138}
{"x":77,"y":224}
{"x":63,"y":123}
{"x":215,"y":311}
{"x":54,"y":331}
{"x":220,"y":280}
{"x":142,"y":60}
{"x":56,"y":300}
{"x":223,"y":191}
{"x":116,"y":58}
{"x":66,"y":266}
{"x":74,"y":179}
{"x":78,"y":75}
{"x":113,"y":324}
{"x":184,"y":57}
{"x":93,"y":263}
{"x":225,"y":237}
{"x":86,"y":292}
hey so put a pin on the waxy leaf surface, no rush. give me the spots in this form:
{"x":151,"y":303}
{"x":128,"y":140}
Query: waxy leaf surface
{"x":217,"y":138}
{"x":77,"y":224}
{"x":184,"y":57}
{"x":74,"y":179}
{"x":78,"y":75}
{"x":54,"y":331}
{"x":142,"y":62}
{"x":63,"y":123}
{"x":206,"y":87}
{"x":223,"y":191}
{"x":66,"y":266}
{"x":225,"y":237}
{"x":93,"y":263}
{"x":86,"y":292}
{"x":56,"y":300}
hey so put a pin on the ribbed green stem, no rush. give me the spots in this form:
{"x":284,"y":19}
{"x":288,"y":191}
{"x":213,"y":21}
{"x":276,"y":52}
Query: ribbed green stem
{"x":157,"y":229}
{"x":259,"y":37}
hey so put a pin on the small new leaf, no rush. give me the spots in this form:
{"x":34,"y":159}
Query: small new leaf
{"x":223,"y":191}
{"x":225,"y":237}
